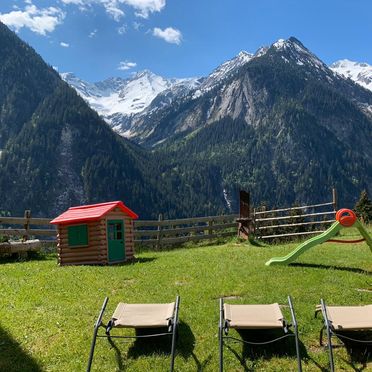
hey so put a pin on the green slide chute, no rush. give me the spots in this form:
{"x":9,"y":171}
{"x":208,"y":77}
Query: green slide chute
{"x":326,"y":235}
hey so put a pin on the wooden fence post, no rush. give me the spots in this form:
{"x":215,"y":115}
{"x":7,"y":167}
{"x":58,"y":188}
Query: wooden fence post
{"x":210,"y":227}
{"x":27,"y":216}
{"x":159,"y":235}
{"x":334,"y":199}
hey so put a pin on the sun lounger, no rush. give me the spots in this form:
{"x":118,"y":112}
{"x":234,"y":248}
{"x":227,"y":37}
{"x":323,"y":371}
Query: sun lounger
{"x":255,"y":317}
{"x":140,"y":316}
{"x":340,"y":319}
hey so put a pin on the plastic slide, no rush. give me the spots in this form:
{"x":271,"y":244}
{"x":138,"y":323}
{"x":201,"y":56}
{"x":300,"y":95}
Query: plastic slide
{"x":343,"y":220}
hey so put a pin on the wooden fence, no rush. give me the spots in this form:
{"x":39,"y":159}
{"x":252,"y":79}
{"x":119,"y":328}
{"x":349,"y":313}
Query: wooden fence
{"x":167,"y":232}
{"x":294,"y":221}
{"x":155,"y":233}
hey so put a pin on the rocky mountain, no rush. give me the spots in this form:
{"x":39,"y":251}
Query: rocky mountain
{"x":55,"y":150}
{"x":359,"y":72}
{"x":283,"y":125}
{"x":117,"y":100}
{"x":280,"y":124}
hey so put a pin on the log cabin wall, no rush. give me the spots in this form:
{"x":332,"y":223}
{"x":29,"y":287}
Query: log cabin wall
{"x":117,"y":214}
{"x":94,"y":253}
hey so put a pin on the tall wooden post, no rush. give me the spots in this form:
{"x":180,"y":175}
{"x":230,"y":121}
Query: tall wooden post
{"x":245,"y":221}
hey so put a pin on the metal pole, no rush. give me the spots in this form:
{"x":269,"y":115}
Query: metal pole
{"x":96,"y":326}
{"x":220,"y":334}
{"x":174,"y":334}
{"x":294,"y":321}
{"x":326,"y":321}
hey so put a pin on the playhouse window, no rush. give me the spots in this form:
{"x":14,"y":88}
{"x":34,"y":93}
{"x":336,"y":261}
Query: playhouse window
{"x":78,"y":235}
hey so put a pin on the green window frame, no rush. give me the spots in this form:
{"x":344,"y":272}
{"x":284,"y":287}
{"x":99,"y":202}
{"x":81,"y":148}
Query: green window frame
{"x":78,"y":236}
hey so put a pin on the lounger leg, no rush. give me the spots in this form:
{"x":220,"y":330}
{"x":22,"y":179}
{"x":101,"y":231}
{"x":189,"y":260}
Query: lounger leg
{"x":220,"y":334}
{"x":294,"y":321}
{"x":329,"y":335}
{"x":174,"y":334}
{"x":96,"y":326}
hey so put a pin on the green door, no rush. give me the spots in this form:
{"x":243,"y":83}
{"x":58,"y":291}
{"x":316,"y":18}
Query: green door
{"x":115,"y":240}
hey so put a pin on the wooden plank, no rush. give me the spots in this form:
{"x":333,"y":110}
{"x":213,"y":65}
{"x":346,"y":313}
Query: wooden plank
{"x":184,"y":239}
{"x":141,"y":233}
{"x":296,"y":224}
{"x":297,"y":216}
{"x":46,"y":232}
{"x":293,"y":208}
{"x":292,"y":234}
{"x":184,"y":221}
{"x":23,"y":221}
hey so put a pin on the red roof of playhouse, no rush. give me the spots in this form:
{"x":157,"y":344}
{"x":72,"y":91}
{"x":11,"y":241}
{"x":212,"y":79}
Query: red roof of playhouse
{"x":91,"y":212}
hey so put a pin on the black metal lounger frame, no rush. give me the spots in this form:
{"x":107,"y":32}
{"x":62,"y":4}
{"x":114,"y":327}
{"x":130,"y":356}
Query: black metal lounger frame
{"x":224,"y":329}
{"x":172,"y":331}
{"x":331,"y":332}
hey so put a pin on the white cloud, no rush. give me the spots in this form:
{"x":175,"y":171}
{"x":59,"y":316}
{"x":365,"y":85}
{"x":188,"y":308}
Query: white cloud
{"x":63,"y":44}
{"x":37,"y":20}
{"x":93,"y":33}
{"x":170,"y":35}
{"x":137,"y":25}
{"x":122,"y":29}
{"x":143,"y":8}
{"x":126,"y":65}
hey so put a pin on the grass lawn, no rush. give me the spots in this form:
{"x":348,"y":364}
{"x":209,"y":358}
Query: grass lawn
{"x":48,"y":312}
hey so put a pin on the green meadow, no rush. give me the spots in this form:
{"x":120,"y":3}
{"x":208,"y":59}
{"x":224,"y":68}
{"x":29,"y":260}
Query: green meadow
{"x":48,"y":312}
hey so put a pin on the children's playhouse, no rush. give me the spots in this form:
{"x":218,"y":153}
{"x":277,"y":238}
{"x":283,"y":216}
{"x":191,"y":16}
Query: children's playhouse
{"x":95,"y":234}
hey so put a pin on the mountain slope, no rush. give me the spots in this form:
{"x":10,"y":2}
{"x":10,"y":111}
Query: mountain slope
{"x":284,"y":126}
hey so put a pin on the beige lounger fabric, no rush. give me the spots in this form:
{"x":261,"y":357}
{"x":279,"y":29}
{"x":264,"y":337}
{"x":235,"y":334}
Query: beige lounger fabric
{"x":143,"y":315}
{"x":350,"y":317}
{"x":254,"y":316}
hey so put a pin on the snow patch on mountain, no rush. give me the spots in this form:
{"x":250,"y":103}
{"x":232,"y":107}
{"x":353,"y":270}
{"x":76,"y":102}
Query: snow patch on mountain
{"x":125,"y":96}
{"x":361,"y":73}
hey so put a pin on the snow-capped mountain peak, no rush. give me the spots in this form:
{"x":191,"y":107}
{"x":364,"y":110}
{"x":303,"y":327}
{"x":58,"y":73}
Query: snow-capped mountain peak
{"x":360,"y":72}
{"x":294,"y":50}
{"x":223,"y":71}
{"x":125,"y":96}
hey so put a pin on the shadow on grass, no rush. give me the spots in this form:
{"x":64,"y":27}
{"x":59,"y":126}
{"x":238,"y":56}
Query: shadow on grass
{"x":29,"y":256}
{"x":284,"y":347}
{"x":327,"y":267}
{"x":12,"y":357}
{"x":358,"y":352}
{"x":159,"y":345}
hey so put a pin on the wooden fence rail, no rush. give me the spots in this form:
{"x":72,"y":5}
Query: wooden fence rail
{"x":294,"y":221}
{"x":167,"y":232}
{"x":156,"y":233}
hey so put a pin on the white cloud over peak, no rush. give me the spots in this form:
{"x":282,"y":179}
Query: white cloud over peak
{"x":126,"y":65}
{"x":114,"y":8}
{"x":63,"y":44}
{"x":37,"y":20}
{"x":170,"y":35}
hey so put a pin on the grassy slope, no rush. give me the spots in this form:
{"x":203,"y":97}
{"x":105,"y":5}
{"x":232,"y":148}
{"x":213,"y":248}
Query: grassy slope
{"x":48,"y":312}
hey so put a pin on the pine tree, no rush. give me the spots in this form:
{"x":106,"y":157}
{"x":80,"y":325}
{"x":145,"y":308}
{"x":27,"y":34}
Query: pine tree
{"x":363,"y":208}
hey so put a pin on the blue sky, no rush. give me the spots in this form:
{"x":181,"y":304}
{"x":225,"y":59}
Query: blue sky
{"x":97,"y":39}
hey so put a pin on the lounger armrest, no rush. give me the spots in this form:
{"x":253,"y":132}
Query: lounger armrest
{"x":173,"y":322}
{"x":100,"y":316}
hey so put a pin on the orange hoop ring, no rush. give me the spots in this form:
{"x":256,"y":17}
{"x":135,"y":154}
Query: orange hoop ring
{"x":346,"y":217}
